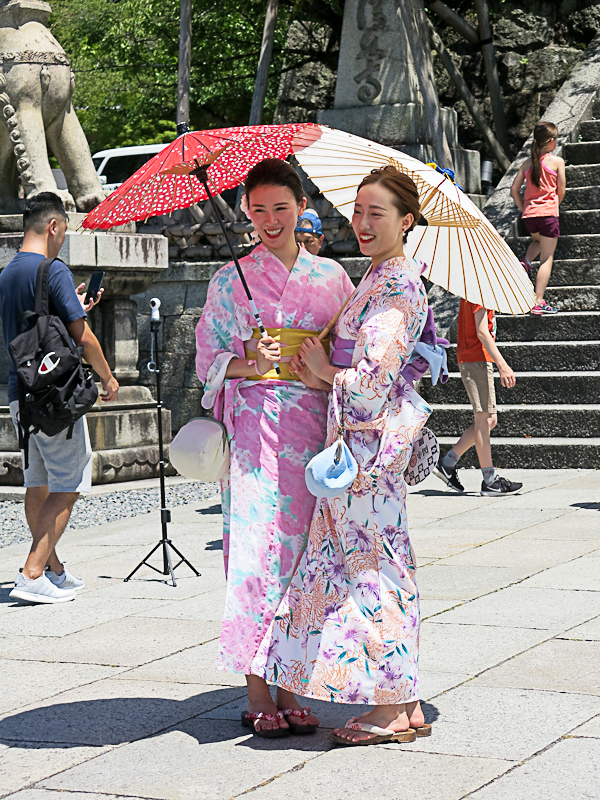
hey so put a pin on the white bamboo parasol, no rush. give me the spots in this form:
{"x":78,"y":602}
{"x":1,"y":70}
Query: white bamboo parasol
{"x":464,"y":252}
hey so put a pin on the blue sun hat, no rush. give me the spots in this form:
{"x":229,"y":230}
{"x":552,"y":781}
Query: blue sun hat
{"x":315,"y":221}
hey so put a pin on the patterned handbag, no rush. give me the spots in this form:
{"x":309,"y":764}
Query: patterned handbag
{"x":424,"y":458}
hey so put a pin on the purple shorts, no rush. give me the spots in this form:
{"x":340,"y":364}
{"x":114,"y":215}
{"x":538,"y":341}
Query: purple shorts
{"x":545,"y":226}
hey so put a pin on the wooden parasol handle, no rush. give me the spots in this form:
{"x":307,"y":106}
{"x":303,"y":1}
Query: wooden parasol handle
{"x":328,"y":328}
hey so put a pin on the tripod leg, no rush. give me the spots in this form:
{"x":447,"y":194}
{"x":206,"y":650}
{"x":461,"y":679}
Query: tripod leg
{"x":167,"y":558}
{"x":141,"y":564}
{"x":184,"y":559}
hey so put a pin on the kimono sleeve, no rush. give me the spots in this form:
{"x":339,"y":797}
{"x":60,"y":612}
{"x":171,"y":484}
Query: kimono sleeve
{"x":218,"y":338}
{"x":387,"y":334}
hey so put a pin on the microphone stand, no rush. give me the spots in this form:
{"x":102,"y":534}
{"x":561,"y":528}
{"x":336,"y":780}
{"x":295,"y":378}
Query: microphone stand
{"x":165,"y":515}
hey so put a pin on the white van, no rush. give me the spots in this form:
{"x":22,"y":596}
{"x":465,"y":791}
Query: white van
{"x":116,"y":165}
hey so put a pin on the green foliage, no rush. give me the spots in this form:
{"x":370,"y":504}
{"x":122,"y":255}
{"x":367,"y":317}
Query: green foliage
{"x":125,"y":56}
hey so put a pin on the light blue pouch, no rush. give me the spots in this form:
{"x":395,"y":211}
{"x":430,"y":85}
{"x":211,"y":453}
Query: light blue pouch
{"x":333,"y":471}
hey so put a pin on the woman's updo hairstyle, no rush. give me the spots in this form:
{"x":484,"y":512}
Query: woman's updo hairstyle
{"x":405,"y":196}
{"x":274,"y":172}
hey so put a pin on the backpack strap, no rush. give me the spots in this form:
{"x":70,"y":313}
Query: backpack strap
{"x":42,"y":288}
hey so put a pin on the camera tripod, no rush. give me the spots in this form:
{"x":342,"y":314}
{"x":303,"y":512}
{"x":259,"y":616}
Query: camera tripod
{"x":165,"y":515}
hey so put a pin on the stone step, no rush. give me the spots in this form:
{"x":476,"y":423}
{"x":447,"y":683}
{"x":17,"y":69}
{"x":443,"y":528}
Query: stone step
{"x":567,"y":421}
{"x":534,"y":453}
{"x":581,"y":175}
{"x":572,"y":272}
{"x":565,"y":327}
{"x":579,"y":221}
{"x":581,"y":198}
{"x":582,"y":153}
{"x":531,"y":387}
{"x":574,"y":298}
{"x":596,"y":109}
{"x":590,"y":130}
{"x":579,"y":246}
{"x":544,"y":356}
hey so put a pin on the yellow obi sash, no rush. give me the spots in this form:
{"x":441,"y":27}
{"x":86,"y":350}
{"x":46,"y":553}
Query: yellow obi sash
{"x":291,"y":339}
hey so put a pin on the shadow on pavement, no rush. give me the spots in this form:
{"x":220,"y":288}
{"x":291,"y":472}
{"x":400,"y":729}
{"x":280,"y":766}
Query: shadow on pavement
{"x":589,"y":506}
{"x":210,"y":510}
{"x":115,"y":721}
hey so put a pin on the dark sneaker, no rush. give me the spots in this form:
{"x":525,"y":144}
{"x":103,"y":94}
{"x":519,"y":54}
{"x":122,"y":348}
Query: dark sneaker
{"x":543,"y":308}
{"x":449,"y":477}
{"x":500,"y":488}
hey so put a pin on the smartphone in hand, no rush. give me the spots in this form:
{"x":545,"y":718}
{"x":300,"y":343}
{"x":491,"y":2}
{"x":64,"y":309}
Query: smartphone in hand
{"x":94,"y":286}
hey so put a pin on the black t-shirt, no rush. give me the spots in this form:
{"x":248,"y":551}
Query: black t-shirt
{"x":17,"y":294}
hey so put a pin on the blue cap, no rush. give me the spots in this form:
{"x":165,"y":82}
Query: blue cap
{"x":314,"y":220}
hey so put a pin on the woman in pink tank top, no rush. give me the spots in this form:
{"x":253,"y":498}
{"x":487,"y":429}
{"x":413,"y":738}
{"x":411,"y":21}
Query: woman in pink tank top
{"x":545,"y":184}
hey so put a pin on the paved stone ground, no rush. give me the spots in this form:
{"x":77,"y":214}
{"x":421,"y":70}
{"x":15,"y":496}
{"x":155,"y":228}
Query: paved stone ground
{"x":116,"y":695}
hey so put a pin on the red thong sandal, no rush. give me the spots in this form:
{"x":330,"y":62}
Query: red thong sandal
{"x":249,"y":718}
{"x":291,"y":714}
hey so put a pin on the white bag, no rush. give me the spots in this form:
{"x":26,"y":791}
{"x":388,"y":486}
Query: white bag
{"x":201,"y":450}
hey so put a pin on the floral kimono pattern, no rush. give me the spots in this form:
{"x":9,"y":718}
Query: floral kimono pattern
{"x":348,"y":627}
{"x":275,"y":427}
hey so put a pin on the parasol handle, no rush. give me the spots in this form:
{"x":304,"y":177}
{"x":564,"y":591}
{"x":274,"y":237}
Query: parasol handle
{"x":329,"y":327}
{"x":202,"y":175}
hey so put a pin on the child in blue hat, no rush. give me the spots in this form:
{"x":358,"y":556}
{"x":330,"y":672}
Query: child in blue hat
{"x":309,"y":231}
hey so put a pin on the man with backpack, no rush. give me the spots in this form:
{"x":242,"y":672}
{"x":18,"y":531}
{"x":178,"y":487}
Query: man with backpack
{"x":56,"y":467}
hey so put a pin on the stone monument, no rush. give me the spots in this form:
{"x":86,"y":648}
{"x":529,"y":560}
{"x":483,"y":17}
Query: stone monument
{"x":36,"y":86}
{"x":377,"y":92}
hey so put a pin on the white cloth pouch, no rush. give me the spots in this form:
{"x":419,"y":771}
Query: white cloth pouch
{"x":201,"y":450}
{"x":331,"y":472}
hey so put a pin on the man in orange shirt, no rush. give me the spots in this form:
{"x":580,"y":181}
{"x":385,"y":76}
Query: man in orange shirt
{"x":476,"y":353}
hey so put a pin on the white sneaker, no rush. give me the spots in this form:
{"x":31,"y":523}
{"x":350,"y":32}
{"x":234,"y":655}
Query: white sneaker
{"x":40,"y":590}
{"x":65,"y":580}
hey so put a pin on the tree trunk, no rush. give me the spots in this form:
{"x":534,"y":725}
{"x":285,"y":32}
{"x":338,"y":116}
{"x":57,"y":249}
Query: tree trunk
{"x":455,"y":21}
{"x":264,"y":62}
{"x":471,"y":103}
{"x":491,"y":70}
{"x":412,"y":13}
{"x":185,"y":57}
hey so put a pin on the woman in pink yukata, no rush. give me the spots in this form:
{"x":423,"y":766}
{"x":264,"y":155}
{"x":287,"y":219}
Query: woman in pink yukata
{"x":276,"y":424}
{"x":347,"y":630}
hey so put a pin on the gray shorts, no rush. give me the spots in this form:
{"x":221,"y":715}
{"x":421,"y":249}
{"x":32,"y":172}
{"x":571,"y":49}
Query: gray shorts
{"x":64,"y":465}
{"x":478,"y":378}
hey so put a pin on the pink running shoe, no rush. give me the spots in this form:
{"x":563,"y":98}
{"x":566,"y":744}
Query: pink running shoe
{"x":543,"y":308}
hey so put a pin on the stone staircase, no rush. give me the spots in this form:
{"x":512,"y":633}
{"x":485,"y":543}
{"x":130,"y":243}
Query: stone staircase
{"x":552,"y":417}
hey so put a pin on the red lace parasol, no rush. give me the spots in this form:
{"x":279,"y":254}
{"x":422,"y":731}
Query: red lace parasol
{"x":167,"y":182}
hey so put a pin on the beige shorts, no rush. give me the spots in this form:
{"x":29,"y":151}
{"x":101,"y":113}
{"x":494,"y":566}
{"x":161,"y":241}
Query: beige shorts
{"x":478,"y":378}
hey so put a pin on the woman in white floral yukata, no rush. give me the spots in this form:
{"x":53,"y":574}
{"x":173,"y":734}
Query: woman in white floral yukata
{"x":348,"y":627}
{"x":276,"y":424}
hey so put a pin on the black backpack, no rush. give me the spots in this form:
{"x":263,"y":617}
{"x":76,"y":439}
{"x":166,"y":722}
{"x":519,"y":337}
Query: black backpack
{"x":55,"y":389}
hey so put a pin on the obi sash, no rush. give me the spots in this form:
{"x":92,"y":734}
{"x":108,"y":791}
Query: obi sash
{"x":291,"y":339}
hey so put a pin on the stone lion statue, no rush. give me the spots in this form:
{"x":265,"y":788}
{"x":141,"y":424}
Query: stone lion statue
{"x":36,"y":113}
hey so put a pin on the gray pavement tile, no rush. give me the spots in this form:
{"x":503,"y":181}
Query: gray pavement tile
{"x":497,"y":518}
{"x":433,"y":683}
{"x":193,"y":665}
{"x":520,"y":607}
{"x":590,"y":729}
{"x":480,"y":721}
{"x":472,"y":648}
{"x":582,"y":573}
{"x":348,"y":774}
{"x":148,"y":585}
{"x":430,"y":607}
{"x":571,"y":768}
{"x":440,"y":542}
{"x":559,"y":665}
{"x":448,"y":582}
{"x":581,"y":524}
{"x":552,"y":497}
{"x":588,"y":479}
{"x":192,"y":762}
{"x":126,"y":642}
{"x":529,"y":555}
{"x":23,"y":765}
{"x":589,"y":631}
{"x":12,"y":646}
{"x":206,"y":606}
{"x":26,"y":682}
{"x":112,"y":712}
{"x":48,"y":794}
{"x":62,"y":619}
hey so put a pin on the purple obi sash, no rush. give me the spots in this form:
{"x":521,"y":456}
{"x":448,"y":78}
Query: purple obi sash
{"x":342,"y":352}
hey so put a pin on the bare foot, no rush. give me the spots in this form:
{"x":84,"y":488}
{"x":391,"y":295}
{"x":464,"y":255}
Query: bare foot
{"x":415,"y":714}
{"x":287,"y":700}
{"x":393,"y":718}
{"x":260,"y":701}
